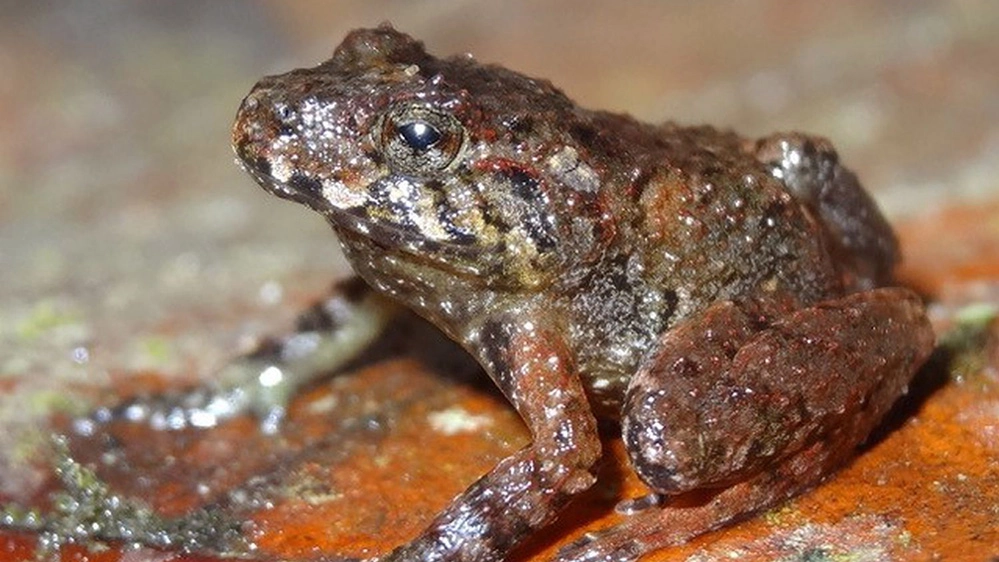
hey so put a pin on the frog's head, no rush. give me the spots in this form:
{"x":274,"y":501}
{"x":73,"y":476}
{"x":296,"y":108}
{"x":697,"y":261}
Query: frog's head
{"x":441,"y":163}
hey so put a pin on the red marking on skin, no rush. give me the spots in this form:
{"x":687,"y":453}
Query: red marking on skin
{"x":508,"y":167}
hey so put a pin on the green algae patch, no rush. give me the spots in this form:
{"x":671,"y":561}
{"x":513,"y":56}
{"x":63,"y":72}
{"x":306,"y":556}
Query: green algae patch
{"x":86,"y":512}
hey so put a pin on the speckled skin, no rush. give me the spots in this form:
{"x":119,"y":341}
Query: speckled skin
{"x":720,"y":296}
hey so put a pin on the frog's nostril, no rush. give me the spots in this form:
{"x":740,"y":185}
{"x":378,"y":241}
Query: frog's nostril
{"x":283,"y":112}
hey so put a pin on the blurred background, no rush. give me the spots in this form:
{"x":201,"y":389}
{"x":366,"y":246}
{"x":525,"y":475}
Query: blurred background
{"x":130,"y":243}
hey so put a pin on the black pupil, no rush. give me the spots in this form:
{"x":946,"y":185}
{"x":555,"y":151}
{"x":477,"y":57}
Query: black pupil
{"x":419,"y":135}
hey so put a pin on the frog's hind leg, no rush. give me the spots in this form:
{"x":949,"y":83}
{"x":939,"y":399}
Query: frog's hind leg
{"x":327,"y":336}
{"x":657,"y":527}
{"x":759,"y":407}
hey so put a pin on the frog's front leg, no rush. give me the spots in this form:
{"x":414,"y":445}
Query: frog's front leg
{"x":524,"y":492}
{"x":753,"y":408}
{"x":261,"y":383}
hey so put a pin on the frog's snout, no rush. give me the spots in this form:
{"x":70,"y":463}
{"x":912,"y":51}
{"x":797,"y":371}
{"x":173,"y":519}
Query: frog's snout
{"x":251,"y":133}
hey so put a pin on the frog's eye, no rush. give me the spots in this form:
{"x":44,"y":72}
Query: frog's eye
{"x":419,"y":135}
{"x":420,"y":141}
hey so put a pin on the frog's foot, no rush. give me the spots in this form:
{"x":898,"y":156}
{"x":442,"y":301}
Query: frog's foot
{"x":658,"y":527}
{"x":652,"y":529}
{"x":328,"y":335}
{"x":780,"y":402}
{"x":634,"y":505}
{"x":601,"y":546}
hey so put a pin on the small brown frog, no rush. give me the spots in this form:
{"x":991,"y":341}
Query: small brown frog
{"x":724,"y":298}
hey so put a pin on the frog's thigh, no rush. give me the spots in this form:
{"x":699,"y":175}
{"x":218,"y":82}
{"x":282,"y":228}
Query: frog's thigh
{"x":727,"y":395}
{"x":758,"y":410}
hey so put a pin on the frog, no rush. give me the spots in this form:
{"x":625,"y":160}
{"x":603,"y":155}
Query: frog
{"x":726,"y":303}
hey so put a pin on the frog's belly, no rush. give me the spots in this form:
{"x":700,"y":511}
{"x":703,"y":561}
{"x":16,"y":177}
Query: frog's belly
{"x":612,"y":330}
{"x":605,"y":392}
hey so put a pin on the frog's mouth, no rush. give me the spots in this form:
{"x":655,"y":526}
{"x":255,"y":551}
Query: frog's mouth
{"x":460,"y":259}
{"x":459,"y":254}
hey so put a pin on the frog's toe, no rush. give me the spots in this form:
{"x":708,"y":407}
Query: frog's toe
{"x":601,"y":546}
{"x":632,"y":506}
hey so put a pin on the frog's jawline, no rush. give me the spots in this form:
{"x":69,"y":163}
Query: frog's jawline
{"x":450,"y":257}
{"x":453,"y":258}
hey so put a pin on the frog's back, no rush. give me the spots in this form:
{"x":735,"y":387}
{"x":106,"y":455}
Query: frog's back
{"x":698,"y":219}
{"x":716,"y":224}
